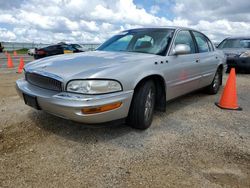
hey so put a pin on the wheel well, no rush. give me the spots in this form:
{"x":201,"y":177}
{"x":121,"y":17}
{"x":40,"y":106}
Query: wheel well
{"x":160,"y":90}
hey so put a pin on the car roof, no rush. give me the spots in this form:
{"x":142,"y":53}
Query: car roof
{"x":163,"y":27}
{"x":239,"y":37}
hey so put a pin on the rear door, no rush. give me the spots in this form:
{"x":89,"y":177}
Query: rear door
{"x":183,"y":74}
{"x":207,"y":57}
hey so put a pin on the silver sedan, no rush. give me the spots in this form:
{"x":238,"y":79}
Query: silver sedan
{"x":128,"y":77}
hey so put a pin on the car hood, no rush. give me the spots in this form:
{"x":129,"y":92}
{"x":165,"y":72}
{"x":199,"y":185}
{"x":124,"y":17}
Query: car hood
{"x":234,"y":51}
{"x":86,"y":63}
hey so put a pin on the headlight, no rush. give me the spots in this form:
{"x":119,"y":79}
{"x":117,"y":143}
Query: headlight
{"x":93,"y":86}
{"x":245,"y":54}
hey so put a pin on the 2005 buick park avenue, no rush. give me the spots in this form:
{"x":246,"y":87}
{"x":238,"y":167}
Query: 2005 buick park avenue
{"x":127,"y":77}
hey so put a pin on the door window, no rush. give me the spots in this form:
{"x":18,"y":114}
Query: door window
{"x":201,"y":42}
{"x":184,"y":37}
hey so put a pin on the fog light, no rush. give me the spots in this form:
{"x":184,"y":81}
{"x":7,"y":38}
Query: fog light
{"x":100,"y":109}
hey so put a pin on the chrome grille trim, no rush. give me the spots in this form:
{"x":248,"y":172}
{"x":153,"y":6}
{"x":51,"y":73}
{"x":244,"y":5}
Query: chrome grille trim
{"x":44,"y":81}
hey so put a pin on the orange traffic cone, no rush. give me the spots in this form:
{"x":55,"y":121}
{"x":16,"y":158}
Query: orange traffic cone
{"x":14,"y":53}
{"x":229,"y":96}
{"x":21,"y":65}
{"x":10,"y":62}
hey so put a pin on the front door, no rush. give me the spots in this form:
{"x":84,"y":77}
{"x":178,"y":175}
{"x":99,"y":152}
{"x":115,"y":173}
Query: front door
{"x":183,"y":75}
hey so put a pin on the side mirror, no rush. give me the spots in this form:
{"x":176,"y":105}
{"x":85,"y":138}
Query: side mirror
{"x":181,"y":49}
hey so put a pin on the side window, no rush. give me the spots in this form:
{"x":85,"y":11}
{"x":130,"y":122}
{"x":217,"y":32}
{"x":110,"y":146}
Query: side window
{"x":201,"y":42}
{"x":184,"y":37}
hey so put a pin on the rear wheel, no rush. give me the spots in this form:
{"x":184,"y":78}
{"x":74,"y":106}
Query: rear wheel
{"x":214,"y":87}
{"x":142,"y":106}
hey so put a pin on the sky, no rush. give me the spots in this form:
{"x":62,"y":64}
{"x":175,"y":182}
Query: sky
{"x":94,"y":21}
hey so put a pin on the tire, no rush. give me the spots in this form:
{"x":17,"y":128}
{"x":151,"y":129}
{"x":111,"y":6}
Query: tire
{"x":142,"y":106}
{"x":214,"y":87}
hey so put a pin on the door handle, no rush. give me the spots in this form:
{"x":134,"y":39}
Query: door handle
{"x":197,"y":60}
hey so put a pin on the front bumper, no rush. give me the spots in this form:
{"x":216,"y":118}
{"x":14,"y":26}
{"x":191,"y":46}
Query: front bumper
{"x":239,"y":63}
{"x":69,"y":105}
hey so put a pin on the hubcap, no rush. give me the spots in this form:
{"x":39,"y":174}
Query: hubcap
{"x":149,"y":105}
{"x":216,"y":81}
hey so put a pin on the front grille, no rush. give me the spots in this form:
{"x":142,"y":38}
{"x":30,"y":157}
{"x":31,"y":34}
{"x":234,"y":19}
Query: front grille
{"x":43,"y":81}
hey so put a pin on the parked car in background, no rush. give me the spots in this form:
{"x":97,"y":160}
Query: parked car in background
{"x":1,"y":47}
{"x":127,"y":77}
{"x":31,"y":51}
{"x":78,"y":47}
{"x":237,"y":51}
{"x":61,"y":48}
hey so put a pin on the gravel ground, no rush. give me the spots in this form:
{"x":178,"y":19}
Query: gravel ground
{"x":192,"y":144}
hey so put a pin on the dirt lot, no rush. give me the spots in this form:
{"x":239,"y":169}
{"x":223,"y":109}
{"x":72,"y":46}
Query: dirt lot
{"x":193,"y":144}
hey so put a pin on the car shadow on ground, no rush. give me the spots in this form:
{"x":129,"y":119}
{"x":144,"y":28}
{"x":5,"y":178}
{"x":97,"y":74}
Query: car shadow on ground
{"x":79,"y":132}
{"x":92,"y":133}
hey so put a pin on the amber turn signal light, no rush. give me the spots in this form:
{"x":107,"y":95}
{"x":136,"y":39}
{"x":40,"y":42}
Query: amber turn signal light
{"x":100,"y":109}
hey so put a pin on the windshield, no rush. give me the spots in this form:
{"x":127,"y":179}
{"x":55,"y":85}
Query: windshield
{"x":235,"y":43}
{"x":151,"y":41}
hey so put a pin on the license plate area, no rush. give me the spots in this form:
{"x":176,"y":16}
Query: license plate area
{"x":31,"y":101}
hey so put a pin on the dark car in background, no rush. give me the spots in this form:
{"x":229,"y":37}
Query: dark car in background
{"x":1,"y":47}
{"x":237,"y":51}
{"x":57,"y":49}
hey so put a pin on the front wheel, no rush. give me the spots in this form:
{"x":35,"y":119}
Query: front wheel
{"x":142,"y":106}
{"x":214,"y":87}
